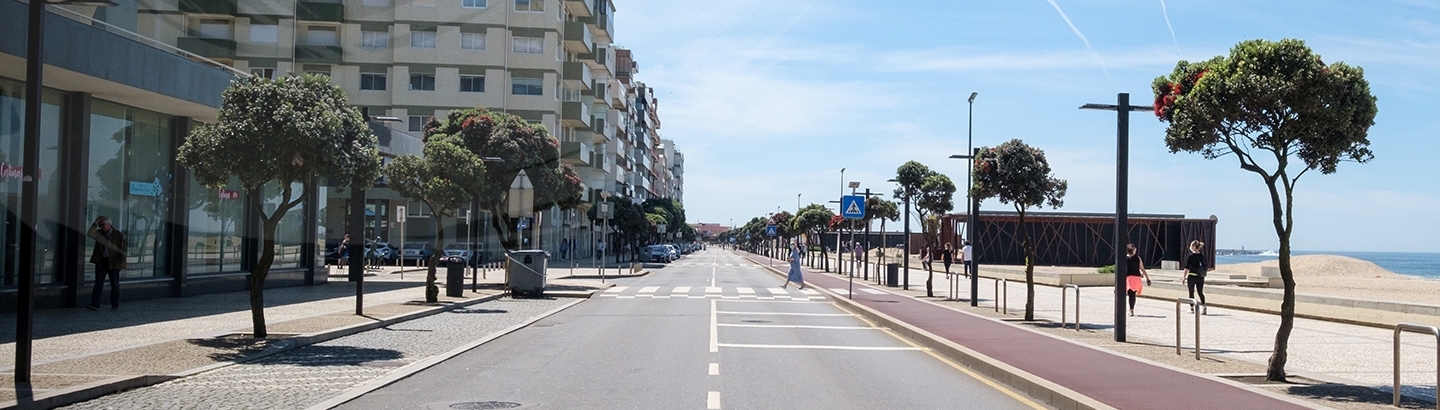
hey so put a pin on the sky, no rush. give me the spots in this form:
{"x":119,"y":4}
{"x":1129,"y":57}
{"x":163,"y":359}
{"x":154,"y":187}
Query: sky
{"x":770,"y":100}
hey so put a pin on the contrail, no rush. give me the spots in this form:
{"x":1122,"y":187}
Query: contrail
{"x":1172,"y":28}
{"x":1082,"y":39}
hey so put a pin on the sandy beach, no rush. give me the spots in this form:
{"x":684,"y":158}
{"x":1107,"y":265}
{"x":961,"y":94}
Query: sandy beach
{"x":1348,"y":277}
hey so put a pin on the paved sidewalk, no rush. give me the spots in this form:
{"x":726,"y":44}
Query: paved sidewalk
{"x":81,"y":354}
{"x":1093,"y":373}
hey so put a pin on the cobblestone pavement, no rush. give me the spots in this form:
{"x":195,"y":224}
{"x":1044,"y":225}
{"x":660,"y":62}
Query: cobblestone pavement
{"x":312,"y":374}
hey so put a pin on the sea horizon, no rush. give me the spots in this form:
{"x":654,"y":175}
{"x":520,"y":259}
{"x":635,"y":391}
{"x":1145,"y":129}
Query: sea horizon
{"x":1419,"y":264}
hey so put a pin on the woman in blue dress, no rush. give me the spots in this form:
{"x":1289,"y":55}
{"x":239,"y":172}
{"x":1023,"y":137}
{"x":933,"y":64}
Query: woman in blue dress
{"x":795,"y":275}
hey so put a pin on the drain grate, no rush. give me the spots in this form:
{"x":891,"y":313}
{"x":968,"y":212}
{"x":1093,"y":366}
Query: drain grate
{"x":485,"y":405}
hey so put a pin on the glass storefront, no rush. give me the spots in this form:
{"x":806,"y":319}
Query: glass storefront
{"x":130,"y":174}
{"x":12,"y":145}
{"x":290,"y":233}
{"x":217,"y":227}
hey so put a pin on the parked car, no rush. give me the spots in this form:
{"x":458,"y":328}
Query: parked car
{"x":415,"y":252}
{"x":462,"y":250}
{"x":382,"y":253}
{"x":674,"y":252}
{"x":658,"y":253}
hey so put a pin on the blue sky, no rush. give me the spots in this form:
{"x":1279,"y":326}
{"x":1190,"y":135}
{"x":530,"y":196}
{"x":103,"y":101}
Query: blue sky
{"x":771,"y":99}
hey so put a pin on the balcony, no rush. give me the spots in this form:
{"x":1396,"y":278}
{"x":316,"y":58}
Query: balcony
{"x":578,"y":38}
{"x":579,"y":8}
{"x":575,"y":114}
{"x":306,"y":53}
{"x":576,"y":153}
{"x":578,"y":72}
{"x":316,"y":11}
{"x":597,"y":160}
{"x":208,"y":47}
{"x":602,"y":23}
{"x":230,"y":7}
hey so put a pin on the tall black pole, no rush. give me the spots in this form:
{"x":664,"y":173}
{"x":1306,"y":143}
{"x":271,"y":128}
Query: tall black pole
{"x":970,"y":223}
{"x":906,"y":254}
{"x":29,"y":192}
{"x":1122,"y":229}
{"x":356,"y":230}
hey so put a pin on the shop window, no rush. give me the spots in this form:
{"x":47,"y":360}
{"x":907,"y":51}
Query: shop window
{"x":12,"y":126}
{"x":130,"y":181}
{"x":217,"y":228}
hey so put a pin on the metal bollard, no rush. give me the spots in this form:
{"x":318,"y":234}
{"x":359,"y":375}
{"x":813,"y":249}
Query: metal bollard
{"x":1077,"y":305}
{"x":1001,"y":283}
{"x":1195,"y":306}
{"x":1415,"y":327}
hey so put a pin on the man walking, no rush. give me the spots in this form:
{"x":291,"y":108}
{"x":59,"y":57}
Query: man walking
{"x":108,"y":255}
{"x":965,"y":258}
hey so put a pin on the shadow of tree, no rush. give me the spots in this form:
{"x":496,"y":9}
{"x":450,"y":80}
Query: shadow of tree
{"x":321,"y":355}
{"x":233,"y":348}
{"x":1355,"y":394}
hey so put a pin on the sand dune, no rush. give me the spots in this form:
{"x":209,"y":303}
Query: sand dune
{"x":1348,"y":277}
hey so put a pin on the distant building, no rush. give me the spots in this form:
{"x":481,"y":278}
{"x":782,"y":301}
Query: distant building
{"x":1077,"y":239}
{"x":706,"y":230}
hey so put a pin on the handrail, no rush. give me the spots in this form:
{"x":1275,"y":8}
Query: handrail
{"x":150,"y":41}
{"x":1077,"y":305}
{"x":1194,"y":308}
{"x":1414,"y":327}
{"x":1001,"y":283}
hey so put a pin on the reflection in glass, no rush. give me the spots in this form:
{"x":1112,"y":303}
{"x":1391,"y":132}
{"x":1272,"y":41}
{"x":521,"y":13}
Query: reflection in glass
{"x":130,"y":181}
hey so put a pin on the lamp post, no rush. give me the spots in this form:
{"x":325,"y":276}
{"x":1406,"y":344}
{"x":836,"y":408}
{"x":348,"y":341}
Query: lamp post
{"x":839,"y":252}
{"x":905,"y":254}
{"x":1122,"y":108}
{"x":972,"y":214}
{"x":605,"y":213}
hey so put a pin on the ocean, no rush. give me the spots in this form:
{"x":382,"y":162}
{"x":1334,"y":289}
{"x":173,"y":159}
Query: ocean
{"x":1425,"y":265}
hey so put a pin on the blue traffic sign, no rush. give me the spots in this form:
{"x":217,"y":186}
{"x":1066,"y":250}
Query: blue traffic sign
{"x":770,"y":230}
{"x":852,"y":206}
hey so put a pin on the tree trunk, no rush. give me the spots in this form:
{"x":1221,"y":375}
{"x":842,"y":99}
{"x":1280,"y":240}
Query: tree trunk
{"x":1029,"y":267}
{"x":507,"y":238}
{"x":258,"y":274}
{"x":432,"y":291}
{"x":1283,"y":222}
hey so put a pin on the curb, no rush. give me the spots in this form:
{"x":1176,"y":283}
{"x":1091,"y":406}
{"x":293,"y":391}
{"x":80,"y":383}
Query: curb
{"x":101,"y":388}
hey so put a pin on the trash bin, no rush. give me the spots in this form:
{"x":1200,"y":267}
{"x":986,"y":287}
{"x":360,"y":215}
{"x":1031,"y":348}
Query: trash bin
{"x":525,"y":273}
{"x":454,"y":276}
{"x":892,"y":274}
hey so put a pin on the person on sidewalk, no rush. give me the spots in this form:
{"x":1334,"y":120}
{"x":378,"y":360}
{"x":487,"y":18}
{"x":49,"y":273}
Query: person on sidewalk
{"x":947,"y":255}
{"x":108,"y":255}
{"x":925,"y":259}
{"x":344,"y":252}
{"x":795,"y":275}
{"x":1194,"y":276}
{"x":1134,"y":270}
{"x":965,"y":258}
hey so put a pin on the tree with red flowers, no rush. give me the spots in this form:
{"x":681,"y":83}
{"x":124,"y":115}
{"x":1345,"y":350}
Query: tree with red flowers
{"x":1281,"y":112}
{"x":1018,"y":174}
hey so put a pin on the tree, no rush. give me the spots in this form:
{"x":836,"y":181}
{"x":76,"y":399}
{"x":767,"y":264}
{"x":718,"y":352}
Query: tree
{"x":444,"y":179}
{"x":520,"y":145}
{"x":930,"y":193}
{"x":884,"y":210}
{"x":811,"y":222}
{"x":1018,"y":174}
{"x":288,"y":131}
{"x":1281,"y":112}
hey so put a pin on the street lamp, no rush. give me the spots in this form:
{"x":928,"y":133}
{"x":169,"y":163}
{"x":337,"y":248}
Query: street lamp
{"x":1122,"y":108}
{"x":905,"y":254}
{"x":972,"y":215}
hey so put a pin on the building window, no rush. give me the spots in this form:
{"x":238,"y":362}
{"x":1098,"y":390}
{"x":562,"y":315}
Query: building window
{"x":210,"y":28}
{"x":472,"y":41}
{"x":527,"y":86}
{"x":374,"y":39}
{"x":533,"y":6}
{"x":263,"y":72}
{"x":375,"y":3}
{"x":372,"y":81}
{"x":417,"y":123}
{"x":264,"y":33}
{"x":422,"y":39}
{"x":528,"y":45}
{"x":321,"y":36}
{"x":474,"y":4}
{"x":422,"y":82}
{"x":132,"y":183}
{"x":472,"y":83}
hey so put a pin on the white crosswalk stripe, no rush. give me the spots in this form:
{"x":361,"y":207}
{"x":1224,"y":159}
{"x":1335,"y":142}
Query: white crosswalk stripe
{"x":873,"y":291}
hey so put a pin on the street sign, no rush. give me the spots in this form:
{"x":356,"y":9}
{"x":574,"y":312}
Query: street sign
{"x":852,"y":206}
{"x":604,"y":212}
{"x":770,"y":230}
{"x":399,"y":214}
{"x":524,"y":223}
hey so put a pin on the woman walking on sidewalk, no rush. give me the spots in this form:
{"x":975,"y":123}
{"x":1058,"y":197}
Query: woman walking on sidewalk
{"x":947,"y":255}
{"x":795,"y":275}
{"x":1134,"y":270}
{"x":1194,"y":276}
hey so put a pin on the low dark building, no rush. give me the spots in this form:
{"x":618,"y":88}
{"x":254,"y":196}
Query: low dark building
{"x":1079,"y":239}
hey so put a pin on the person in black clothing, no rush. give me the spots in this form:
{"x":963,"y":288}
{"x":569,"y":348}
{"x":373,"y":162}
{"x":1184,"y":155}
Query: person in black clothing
{"x":1194,"y":276}
{"x":947,"y":255}
{"x":1134,"y":271}
{"x":108,"y":255}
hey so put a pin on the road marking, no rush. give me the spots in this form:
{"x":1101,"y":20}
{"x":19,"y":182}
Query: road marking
{"x":873,"y":291}
{"x":714,"y":330}
{"x":778,"y":291}
{"x":819,"y":347}
{"x":681,"y":289}
{"x":713,"y":401}
{"x":841,"y":291}
{"x":649,"y":289}
{"x":779,"y":313}
{"x":811,"y":292}
{"x":761,"y":300}
{"x":801,"y":326}
{"x":714,"y":369}
{"x":746,"y":291}
{"x":617,"y":289}
{"x":712,"y":289}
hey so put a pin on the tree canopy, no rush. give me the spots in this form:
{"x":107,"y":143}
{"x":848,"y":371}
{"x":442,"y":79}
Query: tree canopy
{"x":1265,"y":104}
{"x":445,"y":179}
{"x":1019,"y":175}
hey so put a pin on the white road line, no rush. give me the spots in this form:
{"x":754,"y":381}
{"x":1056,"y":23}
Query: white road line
{"x":746,"y":291}
{"x":712,"y":289}
{"x":649,"y":289}
{"x":766,"y":301}
{"x":873,"y":291}
{"x":818,"y":347}
{"x":781,"y":313}
{"x":712,"y":402}
{"x":801,"y":326}
{"x":778,"y":291}
{"x":841,"y":291}
{"x":617,"y":289}
{"x":624,"y":297}
{"x":811,"y":292}
{"x":714,"y":331}
{"x":680,"y":289}
{"x":714,"y":369}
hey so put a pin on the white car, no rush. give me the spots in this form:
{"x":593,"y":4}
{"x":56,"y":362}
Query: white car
{"x":462,"y":251}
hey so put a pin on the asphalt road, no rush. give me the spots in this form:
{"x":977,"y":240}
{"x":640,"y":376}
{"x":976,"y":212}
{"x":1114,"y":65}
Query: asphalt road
{"x":710,"y":331}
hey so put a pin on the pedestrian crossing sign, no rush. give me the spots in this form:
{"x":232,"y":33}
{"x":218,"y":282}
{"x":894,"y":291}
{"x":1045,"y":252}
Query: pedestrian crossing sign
{"x":852,"y":206}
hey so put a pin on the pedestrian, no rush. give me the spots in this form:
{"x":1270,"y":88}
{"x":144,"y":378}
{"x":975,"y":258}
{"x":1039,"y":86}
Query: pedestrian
{"x":1194,"y":276}
{"x":795,"y":275}
{"x":1134,"y":270}
{"x":925,"y":258}
{"x":344,"y":251}
{"x":947,"y":256}
{"x":965,"y":257}
{"x":108,"y":255}
{"x":564,"y":249}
